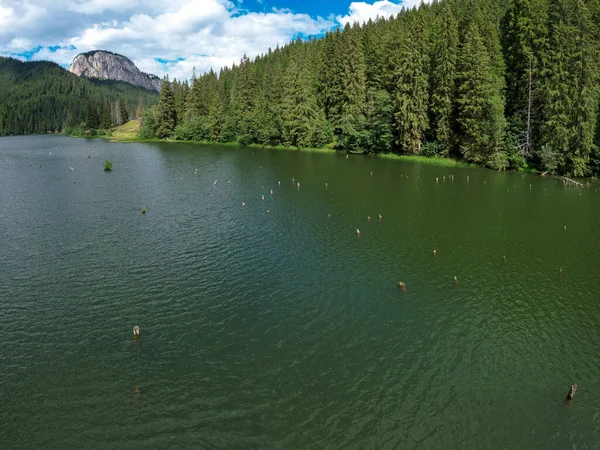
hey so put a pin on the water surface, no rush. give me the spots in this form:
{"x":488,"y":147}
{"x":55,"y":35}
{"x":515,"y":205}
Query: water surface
{"x":285,"y":329}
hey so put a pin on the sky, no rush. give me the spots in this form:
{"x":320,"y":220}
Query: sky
{"x":172,"y":36}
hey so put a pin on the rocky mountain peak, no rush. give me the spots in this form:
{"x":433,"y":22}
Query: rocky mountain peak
{"x":106,"y":65}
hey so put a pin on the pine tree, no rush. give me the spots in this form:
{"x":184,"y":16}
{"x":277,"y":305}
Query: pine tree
{"x":165,"y":111}
{"x":243,"y":97}
{"x":105,"y":117}
{"x":475,"y":86}
{"x":191,"y":106}
{"x":123,"y":114}
{"x":300,"y":104}
{"x":587,"y":76}
{"x":412,"y":87}
{"x":380,"y":119}
{"x":524,"y":42}
{"x":139,"y":111}
{"x":91,"y":118}
{"x":351,"y":127}
{"x":443,"y":80}
{"x":331,"y":82}
{"x":570,"y":89}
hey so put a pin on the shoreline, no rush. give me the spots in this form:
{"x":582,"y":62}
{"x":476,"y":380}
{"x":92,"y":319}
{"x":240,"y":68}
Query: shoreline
{"x":435,"y":160}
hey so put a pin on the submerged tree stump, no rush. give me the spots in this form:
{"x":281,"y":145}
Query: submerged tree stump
{"x":568,"y":182}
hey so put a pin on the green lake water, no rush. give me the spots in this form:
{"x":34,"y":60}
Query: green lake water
{"x":286,"y":330}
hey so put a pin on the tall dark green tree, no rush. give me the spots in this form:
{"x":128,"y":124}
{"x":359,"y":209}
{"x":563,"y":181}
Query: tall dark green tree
{"x":123,"y":113}
{"x":525,"y":45}
{"x":443,"y":79}
{"x":91,"y":117}
{"x":331,"y":79}
{"x":475,"y":91}
{"x":166,"y":118}
{"x":299,"y":108}
{"x":412,"y":87}
{"x":570,"y":88}
{"x":350,"y":129}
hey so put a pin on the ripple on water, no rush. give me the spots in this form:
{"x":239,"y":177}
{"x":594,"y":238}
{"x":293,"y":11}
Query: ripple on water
{"x":286,"y":330}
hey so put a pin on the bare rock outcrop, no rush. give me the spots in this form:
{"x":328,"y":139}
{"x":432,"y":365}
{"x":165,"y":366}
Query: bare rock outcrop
{"x":105,"y":65}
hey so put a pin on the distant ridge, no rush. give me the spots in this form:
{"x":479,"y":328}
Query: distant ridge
{"x":41,"y":97}
{"x":106,"y":65}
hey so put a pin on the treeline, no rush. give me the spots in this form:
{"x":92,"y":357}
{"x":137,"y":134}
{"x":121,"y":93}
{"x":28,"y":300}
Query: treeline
{"x":41,"y":97}
{"x":499,"y":83}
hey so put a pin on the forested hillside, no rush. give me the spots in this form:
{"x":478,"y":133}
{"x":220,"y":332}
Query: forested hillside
{"x":500,"y":83}
{"x":37,"y":97}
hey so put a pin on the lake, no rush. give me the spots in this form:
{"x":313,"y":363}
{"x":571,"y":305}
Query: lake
{"x":274,"y":326}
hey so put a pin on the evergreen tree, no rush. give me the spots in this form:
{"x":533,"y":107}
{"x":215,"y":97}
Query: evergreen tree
{"x":412,"y":87}
{"x":243,"y":97}
{"x":148,"y":125}
{"x":91,"y":118}
{"x":474,"y":95}
{"x":570,"y":88}
{"x":105,"y":116}
{"x":351,"y":125}
{"x":300,"y":105}
{"x":139,"y":111}
{"x":524,"y":41}
{"x":123,"y":114}
{"x":191,"y":106}
{"x":165,"y":111}
{"x":380,"y":119}
{"x":331,"y":83}
{"x":443,"y":79}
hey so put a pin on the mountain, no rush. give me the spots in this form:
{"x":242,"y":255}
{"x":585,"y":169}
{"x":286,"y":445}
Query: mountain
{"x":105,"y":65}
{"x":41,"y":96}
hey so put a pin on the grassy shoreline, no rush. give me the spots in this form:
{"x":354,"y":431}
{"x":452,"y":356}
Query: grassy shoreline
{"x":438,"y":161}
{"x":128,"y":133}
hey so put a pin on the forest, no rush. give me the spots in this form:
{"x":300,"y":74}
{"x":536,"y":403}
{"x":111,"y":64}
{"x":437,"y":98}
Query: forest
{"x":41,"y":97}
{"x":505,"y":84}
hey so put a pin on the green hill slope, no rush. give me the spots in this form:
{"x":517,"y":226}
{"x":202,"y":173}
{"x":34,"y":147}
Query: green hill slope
{"x":41,"y":97}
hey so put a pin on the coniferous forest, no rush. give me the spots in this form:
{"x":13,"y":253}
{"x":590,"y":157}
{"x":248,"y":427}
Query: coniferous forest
{"x":505,"y":84}
{"x":41,"y":97}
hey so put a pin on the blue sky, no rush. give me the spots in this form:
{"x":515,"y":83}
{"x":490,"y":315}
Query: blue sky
{"x":321,"y":8}
{"x":172,"y":36}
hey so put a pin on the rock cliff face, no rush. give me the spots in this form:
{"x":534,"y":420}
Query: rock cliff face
{"x":110,"y":66}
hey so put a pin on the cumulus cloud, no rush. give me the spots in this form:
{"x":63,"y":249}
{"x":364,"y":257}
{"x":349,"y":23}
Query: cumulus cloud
{"x":20,"y":44}
{"x":162,"y":37}
{"x":361,"y":11}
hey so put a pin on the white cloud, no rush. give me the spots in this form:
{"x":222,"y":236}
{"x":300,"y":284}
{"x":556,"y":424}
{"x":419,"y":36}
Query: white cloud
{"x":205,"y":33}
{"x":5,"y":13}
{"x":100,"y":6}
{"x":361,"y":11}
{"x":19,"y":44}
{"x":207,"y":37}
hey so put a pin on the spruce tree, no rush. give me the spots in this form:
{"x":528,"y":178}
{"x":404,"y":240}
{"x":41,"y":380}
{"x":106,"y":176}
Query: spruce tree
{"x":91,"y":118}
{"x":475,"y":87}
{"x":412,"y":87}
{"x":380,"y":121}
{"x":351,"y":126}
{"x":165,"y":111}
{"x":105,"y":117}
{"x":570,"y":88}
{"x":243,"y":98}
{"x":524,"y":42}
{"x":124,"y":115}
{"x":332,"y":78}
{"x":443,"y":79}
{"x":299,"y":108}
